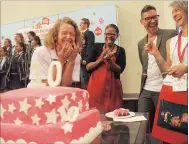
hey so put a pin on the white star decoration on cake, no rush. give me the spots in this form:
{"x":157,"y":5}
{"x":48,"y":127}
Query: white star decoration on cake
{"x":2,"y":111}
{"x":18,"y":121}
{"x":87,"y":106}
{"x":51,"y":116}
{"x":24,"y":106}
{"x":11,"y":108}
{"x":84,"y":95}
{"x":73,"y":96}
{"x":51,"y":99}
{"x":67,"y":128}
{"x":80,"y":105}
{"x":35,"y":119}
{"x":66,"y":102}
{"x":39,"y":103}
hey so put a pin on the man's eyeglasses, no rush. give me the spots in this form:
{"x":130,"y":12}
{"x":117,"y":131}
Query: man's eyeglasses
{"x":148,"y":19}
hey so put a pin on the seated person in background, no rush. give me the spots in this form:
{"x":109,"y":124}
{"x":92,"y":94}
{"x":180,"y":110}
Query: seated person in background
{"x":107,"y":63}
{"x":62,"y":43}
{"x":3,"y":68}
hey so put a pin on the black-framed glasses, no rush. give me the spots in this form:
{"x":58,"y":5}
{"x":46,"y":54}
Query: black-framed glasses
{"x":110,"y":34}
{"x":156,"y":17}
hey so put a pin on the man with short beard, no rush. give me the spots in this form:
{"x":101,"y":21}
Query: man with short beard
{"x":152,"y":77}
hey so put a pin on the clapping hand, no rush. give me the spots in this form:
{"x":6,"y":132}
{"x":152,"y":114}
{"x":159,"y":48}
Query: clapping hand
{"x":103,"y":54}
{"x":109,"y":54}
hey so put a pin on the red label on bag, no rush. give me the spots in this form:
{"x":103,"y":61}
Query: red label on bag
{"x":184,"y":118}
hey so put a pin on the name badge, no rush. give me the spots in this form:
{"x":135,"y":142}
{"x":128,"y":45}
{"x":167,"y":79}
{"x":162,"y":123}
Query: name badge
{"x":180,"y":84}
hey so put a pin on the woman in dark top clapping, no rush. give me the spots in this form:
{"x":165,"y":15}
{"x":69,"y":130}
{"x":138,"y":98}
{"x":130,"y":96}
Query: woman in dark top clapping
{"x":105,"y":65}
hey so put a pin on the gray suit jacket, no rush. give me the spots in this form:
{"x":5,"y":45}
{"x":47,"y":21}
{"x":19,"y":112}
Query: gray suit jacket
{"x":162,"y":36}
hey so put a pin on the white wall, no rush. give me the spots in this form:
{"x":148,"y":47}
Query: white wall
{"x":129,"y":24}
{"x":168,"y":16}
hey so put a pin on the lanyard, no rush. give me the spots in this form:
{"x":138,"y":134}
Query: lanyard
{"x":181,"y":55}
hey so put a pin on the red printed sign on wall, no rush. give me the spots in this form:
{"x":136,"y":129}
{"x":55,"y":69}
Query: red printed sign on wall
{"x":45,"y":20}
{"x":98,"y":31}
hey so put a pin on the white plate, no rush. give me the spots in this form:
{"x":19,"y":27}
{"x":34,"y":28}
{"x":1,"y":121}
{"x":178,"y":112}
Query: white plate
{"x":111,"y":115}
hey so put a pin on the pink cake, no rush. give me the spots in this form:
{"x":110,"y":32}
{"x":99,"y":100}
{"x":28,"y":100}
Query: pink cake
{"x":121,"y":112}
{"x":35,"y":116}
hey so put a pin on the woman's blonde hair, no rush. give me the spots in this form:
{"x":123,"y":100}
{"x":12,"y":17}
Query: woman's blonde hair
{"x":51,"y":38}
{"x":181,"y":5}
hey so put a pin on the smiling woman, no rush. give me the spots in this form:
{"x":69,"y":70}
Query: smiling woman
{"x":171,"y":118}
{"x":107,"y":63}
{"x":63,"y":44}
